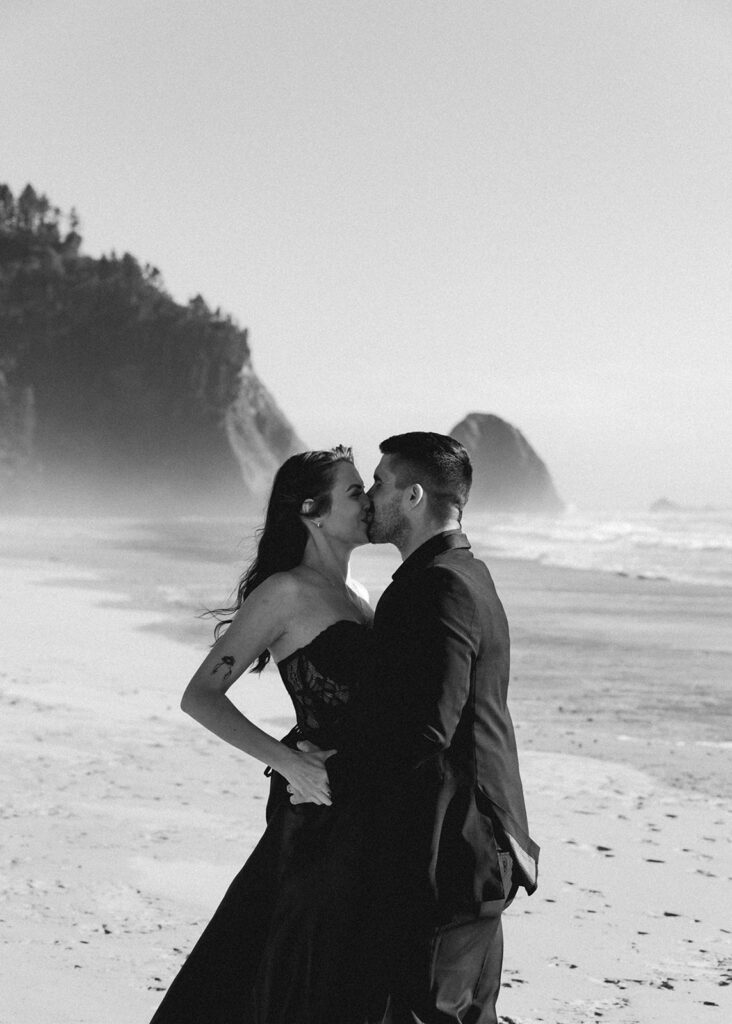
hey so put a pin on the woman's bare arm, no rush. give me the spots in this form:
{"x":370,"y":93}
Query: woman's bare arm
{"x":260,"y":621}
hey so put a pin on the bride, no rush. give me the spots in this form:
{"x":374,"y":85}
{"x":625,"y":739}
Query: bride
{"x":289,"y":943}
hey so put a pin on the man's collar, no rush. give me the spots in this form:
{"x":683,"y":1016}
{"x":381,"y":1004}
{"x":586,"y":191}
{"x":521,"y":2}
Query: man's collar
{"x":430,"y":549}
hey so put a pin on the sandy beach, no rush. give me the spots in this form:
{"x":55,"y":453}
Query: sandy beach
{"x":124,"y":821}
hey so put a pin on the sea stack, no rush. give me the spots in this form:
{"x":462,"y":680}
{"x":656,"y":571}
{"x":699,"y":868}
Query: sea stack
{"x":508,"y":475}
{"x":664,"y":505}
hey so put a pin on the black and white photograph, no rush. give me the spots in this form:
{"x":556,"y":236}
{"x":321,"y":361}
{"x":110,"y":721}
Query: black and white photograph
{"x":366,"y":512}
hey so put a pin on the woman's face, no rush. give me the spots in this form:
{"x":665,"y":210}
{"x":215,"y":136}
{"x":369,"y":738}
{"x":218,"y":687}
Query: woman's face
{"x":348,"y":518}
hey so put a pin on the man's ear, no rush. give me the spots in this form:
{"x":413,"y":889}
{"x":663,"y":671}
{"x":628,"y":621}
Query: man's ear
{"x":416,"y":494}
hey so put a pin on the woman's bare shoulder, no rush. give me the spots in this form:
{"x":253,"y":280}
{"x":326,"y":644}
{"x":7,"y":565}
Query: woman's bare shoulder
{"x":267,"y":610}
{"x":281,"y":587}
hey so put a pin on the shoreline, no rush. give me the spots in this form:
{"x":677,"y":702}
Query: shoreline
{"x":127,"y":820}
{"x":596,"y":656}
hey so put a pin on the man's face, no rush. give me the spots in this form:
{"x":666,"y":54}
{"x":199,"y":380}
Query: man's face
{"x":388,"y":522}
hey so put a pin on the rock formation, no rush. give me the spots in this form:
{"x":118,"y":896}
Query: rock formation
{"x":664,"y":505}
{"x":110,"y":391}
{"x":508,"y":475}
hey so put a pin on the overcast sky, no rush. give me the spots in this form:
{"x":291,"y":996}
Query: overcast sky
{"x":420,"y":208}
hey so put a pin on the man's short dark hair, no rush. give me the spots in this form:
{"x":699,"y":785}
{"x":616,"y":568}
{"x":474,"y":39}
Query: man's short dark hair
{"x":437,"y":462}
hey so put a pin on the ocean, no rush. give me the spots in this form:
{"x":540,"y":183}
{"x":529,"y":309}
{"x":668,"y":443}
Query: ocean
{"x":687,"y":546}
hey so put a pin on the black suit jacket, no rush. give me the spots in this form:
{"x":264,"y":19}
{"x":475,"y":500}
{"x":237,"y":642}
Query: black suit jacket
{"x":434,"y":740}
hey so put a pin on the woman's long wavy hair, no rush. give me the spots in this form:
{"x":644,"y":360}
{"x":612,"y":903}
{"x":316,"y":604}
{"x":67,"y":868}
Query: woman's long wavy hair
{"x":282,"y":539}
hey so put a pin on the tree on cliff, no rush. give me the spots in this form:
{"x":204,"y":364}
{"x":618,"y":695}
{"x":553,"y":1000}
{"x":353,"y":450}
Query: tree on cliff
{"x":84,"y":308}
{"x":117,"y":374}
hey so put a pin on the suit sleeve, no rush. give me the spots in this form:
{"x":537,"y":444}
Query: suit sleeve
{"x":429,"y":680}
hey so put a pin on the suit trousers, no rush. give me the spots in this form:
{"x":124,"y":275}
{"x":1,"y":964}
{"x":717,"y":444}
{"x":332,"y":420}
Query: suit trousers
{"x":452,"y":974}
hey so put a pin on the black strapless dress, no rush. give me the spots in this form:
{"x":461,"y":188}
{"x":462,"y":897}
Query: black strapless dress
{"x":291,"y":942}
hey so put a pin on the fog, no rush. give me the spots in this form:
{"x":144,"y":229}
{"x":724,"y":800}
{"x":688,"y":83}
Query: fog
{"x":520,"y":209}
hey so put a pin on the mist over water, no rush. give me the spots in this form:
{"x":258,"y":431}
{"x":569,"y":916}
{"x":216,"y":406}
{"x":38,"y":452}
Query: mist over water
{"x":74,"y":491}
{"x":217,"y":519}
{"x":691,"y":546}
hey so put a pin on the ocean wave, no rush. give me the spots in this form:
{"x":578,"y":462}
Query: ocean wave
{"x":694,"y":548}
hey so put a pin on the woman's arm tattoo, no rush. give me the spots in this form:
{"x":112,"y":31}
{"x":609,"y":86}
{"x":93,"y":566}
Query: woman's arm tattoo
{"x":225,"y":660}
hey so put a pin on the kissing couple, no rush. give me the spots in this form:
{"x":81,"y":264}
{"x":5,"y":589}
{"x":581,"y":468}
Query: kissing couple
{"x":396,"y":828}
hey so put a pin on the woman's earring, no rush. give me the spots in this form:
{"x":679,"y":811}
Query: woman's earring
{"x":318,"y":525}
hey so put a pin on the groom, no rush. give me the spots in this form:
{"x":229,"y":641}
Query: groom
{"x":437,"y":741}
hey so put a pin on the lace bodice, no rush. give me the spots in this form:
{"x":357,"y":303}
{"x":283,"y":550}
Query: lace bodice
{"x":324,"y":676}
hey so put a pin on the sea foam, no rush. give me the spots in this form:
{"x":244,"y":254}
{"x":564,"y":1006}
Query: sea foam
{"x":693,"y":547}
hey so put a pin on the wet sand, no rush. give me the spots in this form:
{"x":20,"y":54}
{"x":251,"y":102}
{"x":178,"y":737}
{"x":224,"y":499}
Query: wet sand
{"x":125,"y":820}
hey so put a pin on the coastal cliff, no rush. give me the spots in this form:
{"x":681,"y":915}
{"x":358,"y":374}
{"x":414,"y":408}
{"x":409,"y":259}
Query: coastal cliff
{"x":111,"y":392}
{"x":508,"y":475}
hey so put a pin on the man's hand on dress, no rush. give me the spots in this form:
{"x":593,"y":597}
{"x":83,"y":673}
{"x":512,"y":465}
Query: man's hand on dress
{"x":307,"y":781}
